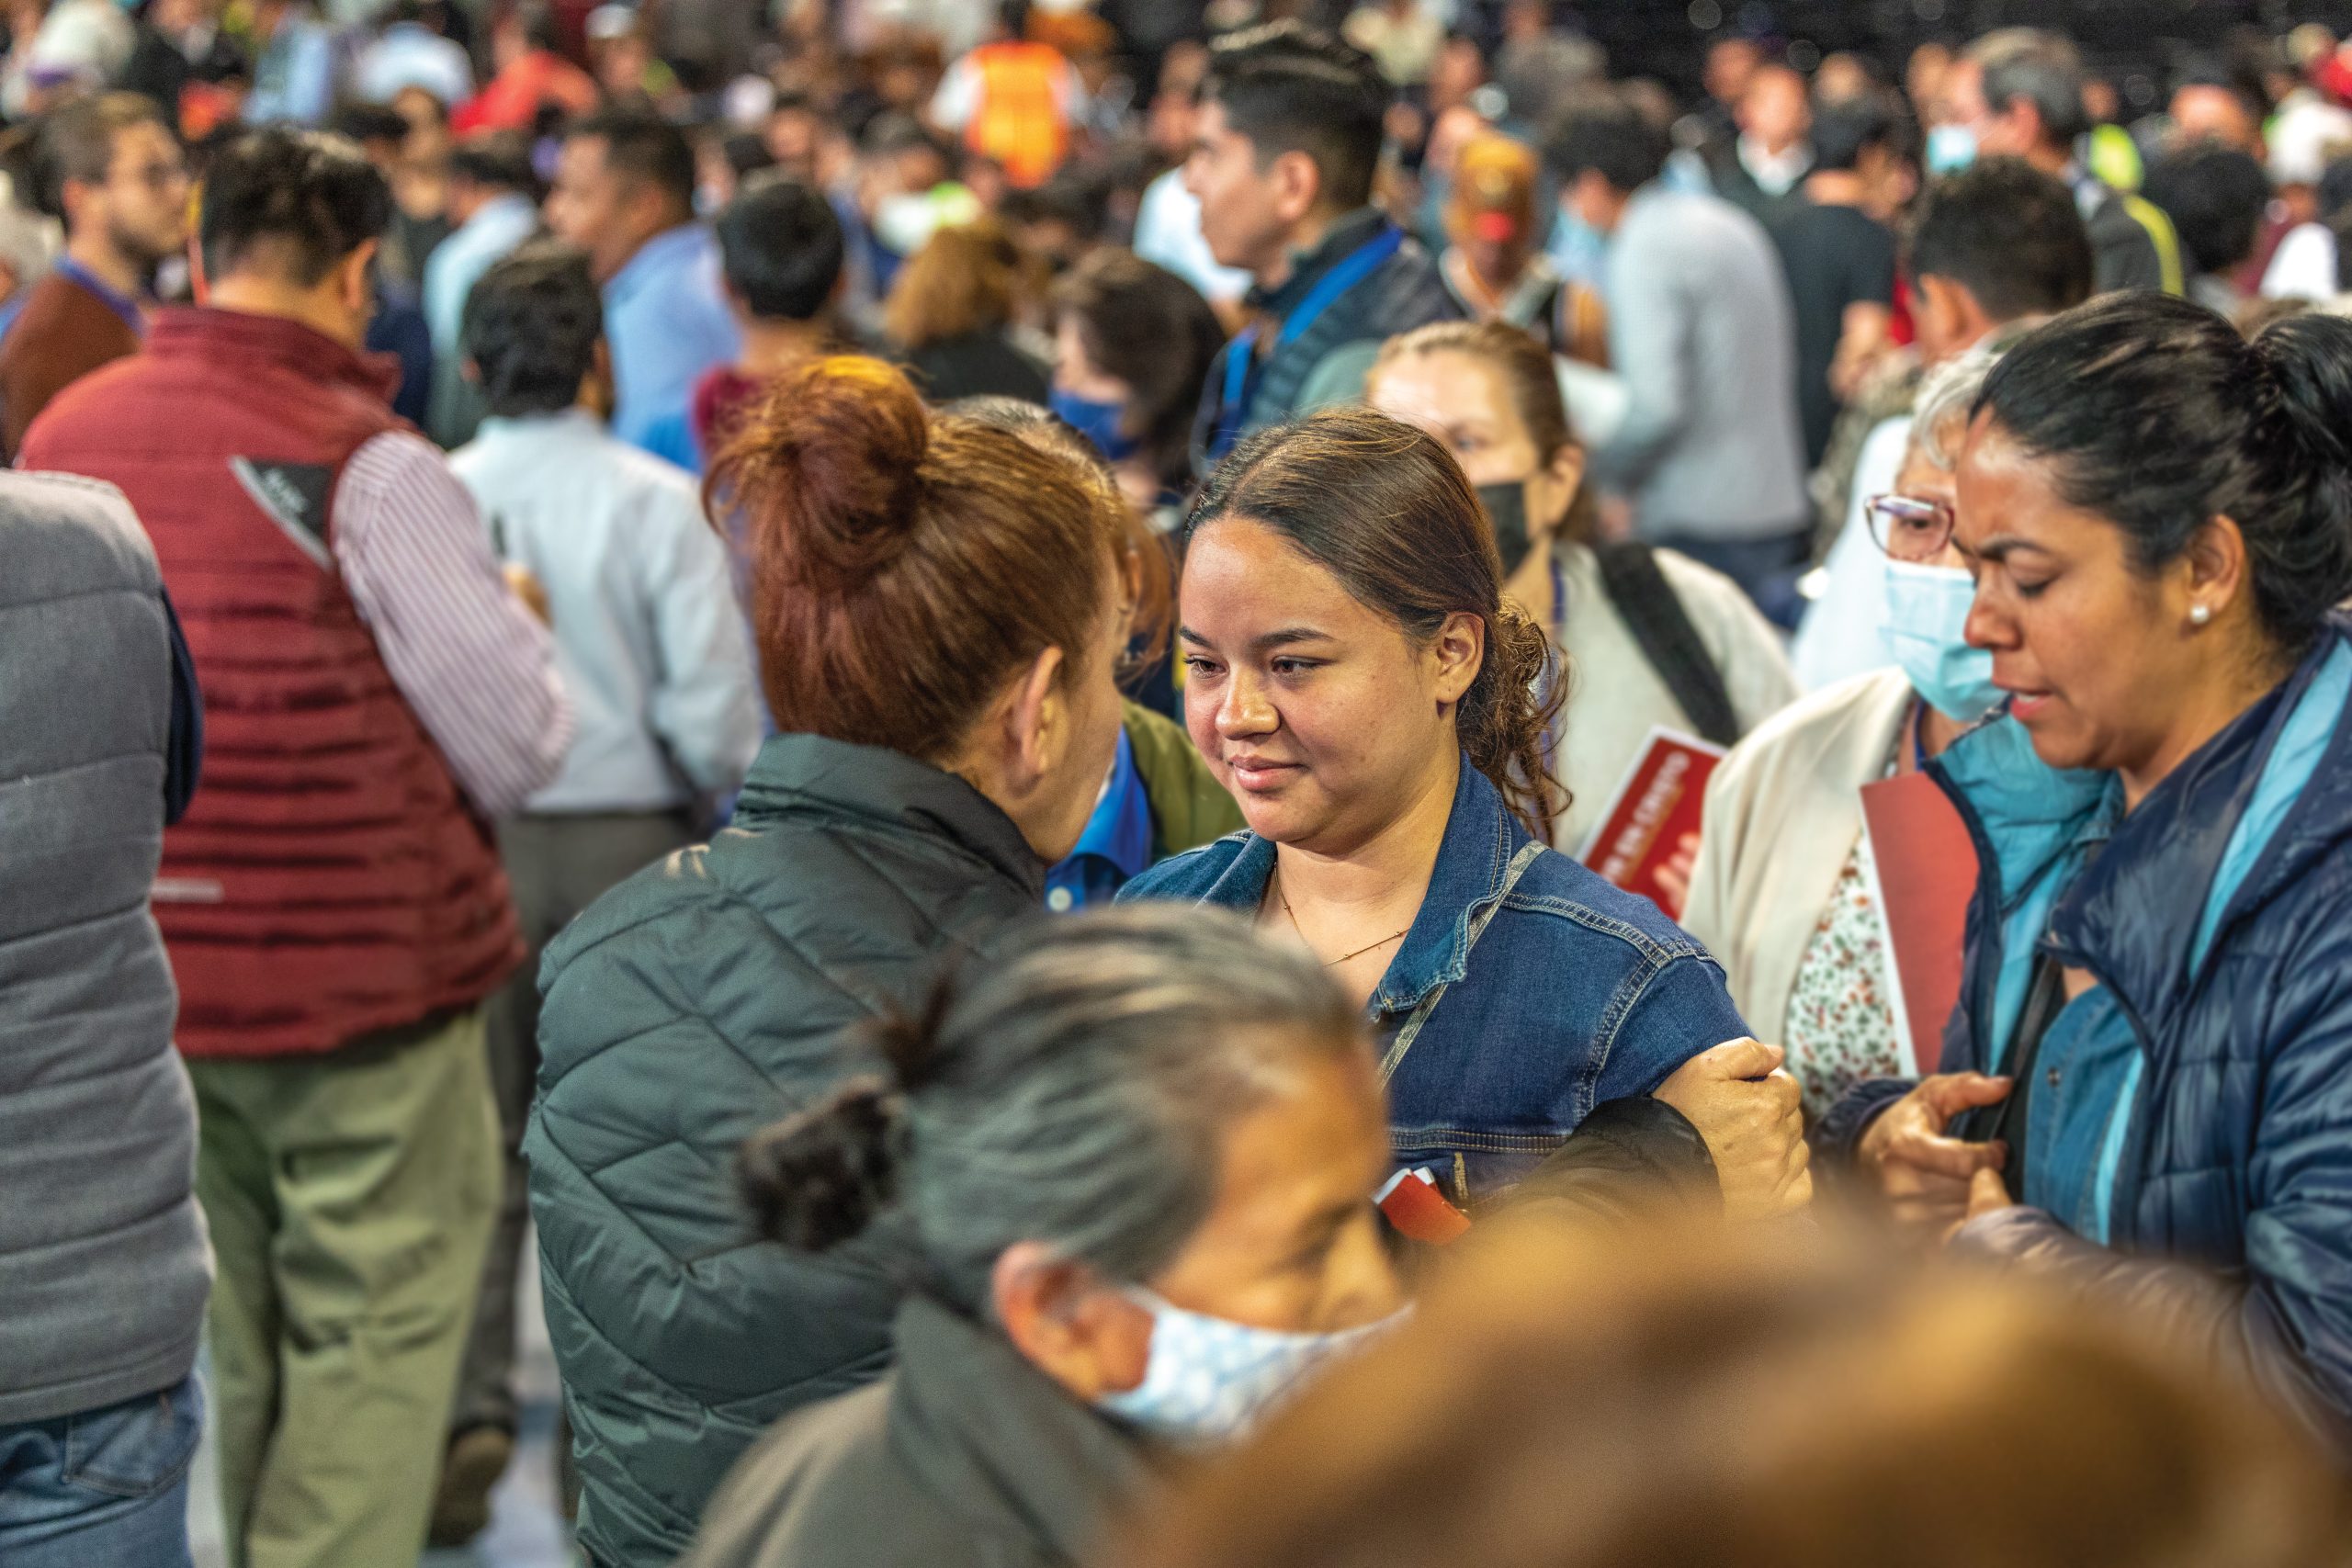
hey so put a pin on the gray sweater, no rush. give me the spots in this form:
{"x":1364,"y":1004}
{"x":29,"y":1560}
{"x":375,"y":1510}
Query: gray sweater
{"x":1702,"y":332}
{"x":104,"y":1268}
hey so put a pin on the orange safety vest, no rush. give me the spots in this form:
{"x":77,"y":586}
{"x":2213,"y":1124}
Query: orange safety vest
{"x":1020,"y":121}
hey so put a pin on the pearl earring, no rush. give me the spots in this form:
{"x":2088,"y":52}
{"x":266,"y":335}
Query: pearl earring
{"x":2199,"y":615}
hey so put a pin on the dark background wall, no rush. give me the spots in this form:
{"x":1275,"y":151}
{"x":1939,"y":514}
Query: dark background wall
{"x":2121,"y":38}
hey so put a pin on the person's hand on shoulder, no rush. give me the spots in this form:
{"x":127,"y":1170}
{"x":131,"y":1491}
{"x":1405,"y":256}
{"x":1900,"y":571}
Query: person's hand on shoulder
{"x":1747,"y":1107}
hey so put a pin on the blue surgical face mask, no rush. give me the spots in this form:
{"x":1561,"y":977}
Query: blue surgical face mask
{"x":1208,"y":1381}
{"x":1951,"y":148}
{"x":1097,"y":421}
{"x":1926,"y":617}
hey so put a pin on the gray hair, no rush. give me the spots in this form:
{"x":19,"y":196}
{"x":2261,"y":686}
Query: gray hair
{"x":1076,"y":1091}
{"x":1946,"y":399}
{"x":2041,"y":67}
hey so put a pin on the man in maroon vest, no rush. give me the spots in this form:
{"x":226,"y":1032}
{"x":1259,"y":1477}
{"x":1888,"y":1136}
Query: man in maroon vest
{"x":333,"y":906}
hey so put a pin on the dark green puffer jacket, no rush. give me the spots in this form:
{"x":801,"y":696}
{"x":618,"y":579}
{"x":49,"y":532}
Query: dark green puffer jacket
{"x":696,"y":1002}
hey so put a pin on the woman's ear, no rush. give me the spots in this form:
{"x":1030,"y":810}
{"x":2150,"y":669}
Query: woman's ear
{"x":1458,"y":649}
{"x":1085,"y":1336}
{"x":1035,"y":726}
{"x":2215,"y":568}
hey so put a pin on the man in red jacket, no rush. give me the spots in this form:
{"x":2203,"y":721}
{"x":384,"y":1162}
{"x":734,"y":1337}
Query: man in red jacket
{"x":334,"y":907}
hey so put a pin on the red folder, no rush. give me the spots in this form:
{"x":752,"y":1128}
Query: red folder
{"x":1658,"y":801}
{"x":1926,"y":867}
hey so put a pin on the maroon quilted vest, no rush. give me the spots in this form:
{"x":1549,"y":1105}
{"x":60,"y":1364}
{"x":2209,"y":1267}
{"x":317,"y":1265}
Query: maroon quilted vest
{"x":330,"y":880}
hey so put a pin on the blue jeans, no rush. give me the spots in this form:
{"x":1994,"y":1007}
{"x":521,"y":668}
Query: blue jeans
{"x":104,"y":1489}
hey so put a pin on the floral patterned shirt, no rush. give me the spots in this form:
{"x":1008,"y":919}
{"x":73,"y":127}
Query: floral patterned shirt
{"x":1841,"y":1018}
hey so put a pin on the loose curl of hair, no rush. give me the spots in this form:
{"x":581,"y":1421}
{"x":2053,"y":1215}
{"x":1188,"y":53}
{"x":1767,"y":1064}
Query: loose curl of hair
{"x":1383,"y":508}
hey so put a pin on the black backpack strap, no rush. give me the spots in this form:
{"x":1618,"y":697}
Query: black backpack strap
{"x":1654,"y":613}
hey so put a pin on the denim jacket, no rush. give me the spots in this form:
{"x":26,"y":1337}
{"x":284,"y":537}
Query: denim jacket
{"x":1574,"y":993}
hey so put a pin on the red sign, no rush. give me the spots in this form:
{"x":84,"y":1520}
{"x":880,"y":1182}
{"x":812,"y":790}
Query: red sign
{"x":1926,"y":868}
{"x":1656,"y":805}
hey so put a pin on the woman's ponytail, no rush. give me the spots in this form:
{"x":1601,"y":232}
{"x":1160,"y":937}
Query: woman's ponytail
{"x":815,"y":1180}
{"x":2303,"y":571}
{"x":1508,"y":711}
{"x":818,"y":1179}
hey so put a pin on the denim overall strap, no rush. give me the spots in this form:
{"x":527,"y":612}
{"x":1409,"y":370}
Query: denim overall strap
{"x":1479,"y":923}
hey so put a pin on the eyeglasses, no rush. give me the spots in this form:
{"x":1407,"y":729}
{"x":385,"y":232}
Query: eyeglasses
{"x":1909,"y":527}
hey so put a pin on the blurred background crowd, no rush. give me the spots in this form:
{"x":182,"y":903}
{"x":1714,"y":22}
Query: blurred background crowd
{"x":640,"y":549}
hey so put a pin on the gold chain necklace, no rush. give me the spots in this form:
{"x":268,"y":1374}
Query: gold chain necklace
{"x":1292,"y":915}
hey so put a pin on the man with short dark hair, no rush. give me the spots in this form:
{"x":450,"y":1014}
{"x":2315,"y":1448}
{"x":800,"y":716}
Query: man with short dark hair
{"x":332,"y":904}
{"x":2217,"y":196}
{"x":2000,"y":242}
{"x":780,"y":250}
{"x":625,"y":195}
{"x":112,"y":171}
{"x":1282,"y":162}
{"x":1995,"y":249}
{"x":2018,"y":93}
{"x":659,"y":661}
{"x":1758,"y":169}
{"x":1702,"y":332}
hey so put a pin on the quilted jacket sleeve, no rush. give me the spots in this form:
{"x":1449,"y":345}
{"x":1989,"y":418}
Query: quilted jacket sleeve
{"x":2285,"y":1318}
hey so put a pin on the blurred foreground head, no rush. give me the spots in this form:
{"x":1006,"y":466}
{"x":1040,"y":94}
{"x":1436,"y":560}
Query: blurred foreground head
{"x":1560,"y":1403}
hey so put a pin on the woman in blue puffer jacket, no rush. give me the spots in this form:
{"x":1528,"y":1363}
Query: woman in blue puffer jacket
{"x":2148,"y":1082}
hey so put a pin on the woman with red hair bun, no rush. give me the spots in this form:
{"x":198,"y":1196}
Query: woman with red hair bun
{"x":939,"y":612}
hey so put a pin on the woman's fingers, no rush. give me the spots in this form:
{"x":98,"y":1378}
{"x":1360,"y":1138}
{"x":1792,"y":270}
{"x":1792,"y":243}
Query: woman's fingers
{"x":1946,"y":1095}
{"x":1951,"y":1158}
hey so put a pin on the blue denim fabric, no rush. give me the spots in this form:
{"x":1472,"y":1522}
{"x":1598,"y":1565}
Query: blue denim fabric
{"x":1576,"y":993}
{"x":106,"y":1489}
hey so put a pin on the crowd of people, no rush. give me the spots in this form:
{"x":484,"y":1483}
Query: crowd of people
{"x":925,"y":687}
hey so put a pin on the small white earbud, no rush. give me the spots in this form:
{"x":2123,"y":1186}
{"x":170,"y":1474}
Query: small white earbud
{"x":2199,"y":615}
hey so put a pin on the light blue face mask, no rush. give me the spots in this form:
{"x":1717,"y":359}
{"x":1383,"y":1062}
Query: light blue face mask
{"x":1951,"y":148}
{"x":1927,"y":619}
{"x":1208,"y":1381}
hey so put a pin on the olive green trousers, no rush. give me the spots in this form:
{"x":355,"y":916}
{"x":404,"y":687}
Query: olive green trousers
{"x":350,"y":1197}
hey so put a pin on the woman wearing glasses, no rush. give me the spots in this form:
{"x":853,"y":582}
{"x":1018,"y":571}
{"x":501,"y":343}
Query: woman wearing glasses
{"x":1783,"y":890}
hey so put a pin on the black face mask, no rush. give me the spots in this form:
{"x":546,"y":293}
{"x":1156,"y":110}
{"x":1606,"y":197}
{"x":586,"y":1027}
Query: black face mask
{"x":1506,"y":507}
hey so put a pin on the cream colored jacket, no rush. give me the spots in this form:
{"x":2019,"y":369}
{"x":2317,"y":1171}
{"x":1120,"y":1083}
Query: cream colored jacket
{"x":1783,"y":812}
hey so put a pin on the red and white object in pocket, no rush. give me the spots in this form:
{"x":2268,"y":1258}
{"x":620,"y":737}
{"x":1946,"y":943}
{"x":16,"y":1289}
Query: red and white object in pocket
{"x":1419,"y":1210}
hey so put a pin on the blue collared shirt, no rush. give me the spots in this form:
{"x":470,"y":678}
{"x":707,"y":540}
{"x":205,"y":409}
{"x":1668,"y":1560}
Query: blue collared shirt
{"x":1576,"y":993}
{"x":293,"y":74}
{"x":666,"y":317}
{"x":457,"y":263}
{"x":1116,"y":844}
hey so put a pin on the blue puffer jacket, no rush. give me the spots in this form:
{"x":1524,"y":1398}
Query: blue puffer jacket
{"x":2224,"y":930}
